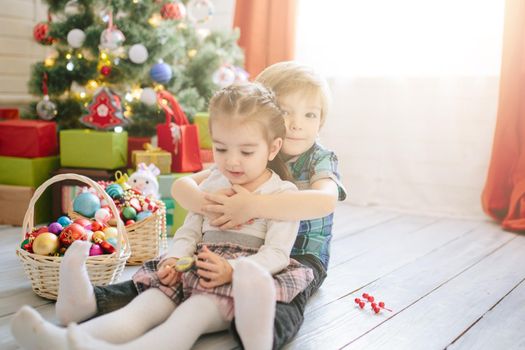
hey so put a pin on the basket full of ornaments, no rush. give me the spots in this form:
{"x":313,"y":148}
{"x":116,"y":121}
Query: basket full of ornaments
{"x":42,"y":248}
{"x":136,"y":199}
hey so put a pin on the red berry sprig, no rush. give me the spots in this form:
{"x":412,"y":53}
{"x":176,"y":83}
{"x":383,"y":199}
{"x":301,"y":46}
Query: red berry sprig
{"x":375,"y":306}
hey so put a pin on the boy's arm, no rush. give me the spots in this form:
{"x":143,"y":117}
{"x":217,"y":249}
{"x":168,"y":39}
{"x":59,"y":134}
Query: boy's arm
{"x":313,"y":203}
{"x":187,"y":193}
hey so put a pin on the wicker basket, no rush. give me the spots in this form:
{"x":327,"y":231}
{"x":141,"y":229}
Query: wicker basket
{"x":43,"y":270}
{"x":146,"y":237}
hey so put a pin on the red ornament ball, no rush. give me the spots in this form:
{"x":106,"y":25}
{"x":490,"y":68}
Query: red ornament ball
{"x":105,"y":70}
{"x":72,"y":233}
{"x":173,"y":10}
{"x":41,"y":33}
{"x":97,"y":226}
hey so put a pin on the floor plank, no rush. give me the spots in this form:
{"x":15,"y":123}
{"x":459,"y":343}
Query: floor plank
{"x":443,"y":315}
{"x":451,"y":282}
{"x":341,"y":321}
{"x":385,"y":250}
{"x":502,"y":327}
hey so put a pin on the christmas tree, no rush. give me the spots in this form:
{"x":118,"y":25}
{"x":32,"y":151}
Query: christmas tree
{"x":120,"y":53}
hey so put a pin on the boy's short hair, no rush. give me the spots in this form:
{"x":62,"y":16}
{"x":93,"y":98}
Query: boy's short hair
{"x":289,"y":77}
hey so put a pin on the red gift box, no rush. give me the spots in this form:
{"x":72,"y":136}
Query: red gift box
{"x":9,"y":113}
{"x":136,"y":144}
{"x":28,"y":138}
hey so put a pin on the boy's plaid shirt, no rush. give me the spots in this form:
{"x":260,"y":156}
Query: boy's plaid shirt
{"x":315,"y":235}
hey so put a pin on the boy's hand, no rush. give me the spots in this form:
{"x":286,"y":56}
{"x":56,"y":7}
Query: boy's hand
{"x":234,"y":210}
{"x":222,"y":193}
{"x":167,"y":274}
{"x":213,"y":269}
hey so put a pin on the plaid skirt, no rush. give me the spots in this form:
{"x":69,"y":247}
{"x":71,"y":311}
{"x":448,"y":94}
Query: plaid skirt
{"x":288,"y":282}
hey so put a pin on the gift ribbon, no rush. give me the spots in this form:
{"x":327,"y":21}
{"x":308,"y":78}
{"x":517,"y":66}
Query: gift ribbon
{"x":148,"y":147}
{"x":154,"y":151}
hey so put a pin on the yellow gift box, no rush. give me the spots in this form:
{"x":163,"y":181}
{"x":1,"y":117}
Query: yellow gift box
{"x":202,"y":119}
{"x":155,"y":155}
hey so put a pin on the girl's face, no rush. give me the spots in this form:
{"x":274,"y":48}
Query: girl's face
{"x":241,"y":151}
{"x":303,"y":121}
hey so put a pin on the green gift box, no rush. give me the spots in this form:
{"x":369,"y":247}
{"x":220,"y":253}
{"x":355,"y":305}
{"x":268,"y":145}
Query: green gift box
{"x":201,"y":119}
{"x":31,"y":172}
{"x":93,"y":149}
{"x":175,"y":215}
{"x":165,"y":182}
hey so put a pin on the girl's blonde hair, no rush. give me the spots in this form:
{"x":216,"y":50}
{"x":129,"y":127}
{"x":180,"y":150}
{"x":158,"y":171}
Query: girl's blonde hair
{"x":288,"y":77}
{"x":252,"y":102}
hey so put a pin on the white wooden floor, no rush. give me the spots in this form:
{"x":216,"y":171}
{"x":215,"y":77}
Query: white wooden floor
{"x":452,"y":283}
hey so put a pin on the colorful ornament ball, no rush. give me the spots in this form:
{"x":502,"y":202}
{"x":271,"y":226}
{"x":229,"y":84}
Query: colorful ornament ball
{"x":86,"y":204}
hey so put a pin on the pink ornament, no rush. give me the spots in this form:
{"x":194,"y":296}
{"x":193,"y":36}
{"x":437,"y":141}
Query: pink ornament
{"x":95,"y":250}
{"x":85,"y":223}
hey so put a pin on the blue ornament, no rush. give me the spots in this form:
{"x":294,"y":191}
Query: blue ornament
{"x":115,"y":191}
{"x":143,"y":214}
{"x":64,"y":221}
{"x":86,"y":204}
{"x":161,"y":73}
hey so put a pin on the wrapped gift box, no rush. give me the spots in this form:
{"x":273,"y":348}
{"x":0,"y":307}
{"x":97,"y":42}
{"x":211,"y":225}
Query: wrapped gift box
{"x":14,"y":201}
{"x":26,"y":171}
{"x":28,"y":138}
{"x":202,"y":120}
{"x":165,"y":182}
{"x":160,"y":158}
{"x":9,"y":113}
{"x":93,"y":149}
{"x":175,"y":215}
{"x":136,"y":144}
{"x":65,"y":191}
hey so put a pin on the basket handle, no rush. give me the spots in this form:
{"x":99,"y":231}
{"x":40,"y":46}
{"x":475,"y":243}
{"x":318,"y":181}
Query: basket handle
{"x":29,"y":216}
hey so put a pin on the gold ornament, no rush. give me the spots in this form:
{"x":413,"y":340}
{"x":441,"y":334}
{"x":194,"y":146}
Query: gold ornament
{"x":45,"y":244}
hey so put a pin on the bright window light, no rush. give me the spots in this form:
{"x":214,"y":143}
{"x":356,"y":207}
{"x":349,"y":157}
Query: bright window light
{"x":401,"y":37}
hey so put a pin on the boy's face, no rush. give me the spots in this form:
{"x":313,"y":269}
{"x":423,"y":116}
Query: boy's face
{"x":303,"y":121}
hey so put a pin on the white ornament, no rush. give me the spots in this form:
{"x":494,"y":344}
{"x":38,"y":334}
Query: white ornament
{"x":76,"y":37}
{"x":148,"y":96}
{"x":73,"y":7}
{"x":46,"y":109}
{"x":200,"y":11}
{"x":138,"y":53}
{"x":102,"y":215}
{"x":223,"y":77}
{"x":111,"y":39}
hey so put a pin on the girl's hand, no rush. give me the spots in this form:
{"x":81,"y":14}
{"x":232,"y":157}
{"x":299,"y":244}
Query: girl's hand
{"x":234,"y":211}
{"x":167,"y":274}
{"x":213,"y":269}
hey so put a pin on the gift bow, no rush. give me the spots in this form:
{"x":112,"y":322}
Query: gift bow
{"x":150,"y":148}
{"x":122,"y":180}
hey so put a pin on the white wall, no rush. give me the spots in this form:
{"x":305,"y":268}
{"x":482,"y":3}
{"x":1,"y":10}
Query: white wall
{"x":391,"y":156}
{"x":18,"y":50}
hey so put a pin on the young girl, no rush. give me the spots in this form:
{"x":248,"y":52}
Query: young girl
{"x":247,"y":129}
